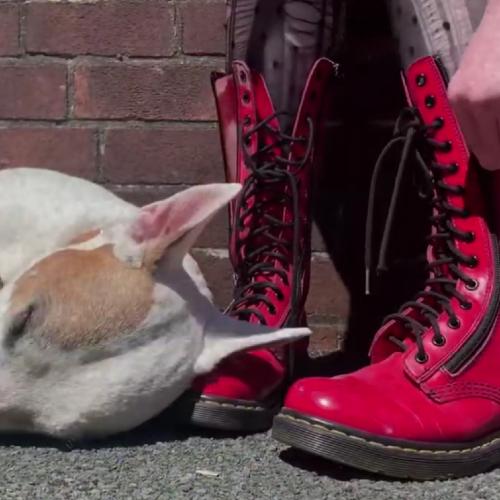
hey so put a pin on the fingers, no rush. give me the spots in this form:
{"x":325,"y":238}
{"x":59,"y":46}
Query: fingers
{"x":478,"y":112}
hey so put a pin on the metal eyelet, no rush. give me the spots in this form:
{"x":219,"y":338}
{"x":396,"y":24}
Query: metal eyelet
{"x":447,"y":147}
{"x":421,"y":358}
{"x":454,"y":168}
{"x":421,"y":80}
{"x":472,"y":285}
{"x":272,"y":309}
{"x":247,"y":140}
{"x":439,"y":122}
{"x":246,"y":97}
{"x":246,"y":121}
{"x":439,"y":341}
{"x":454,"y":323}
{"x":466,"y":306}
{"x":470,"y":237}
{"x":430,"y":101}
{"x":243,"y":76}
{"x":474,"y":261}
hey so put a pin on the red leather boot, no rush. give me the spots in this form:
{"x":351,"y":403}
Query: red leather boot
{"x":428,"y":405}
{"x":270,"y":109}
{"x":270,"y":239}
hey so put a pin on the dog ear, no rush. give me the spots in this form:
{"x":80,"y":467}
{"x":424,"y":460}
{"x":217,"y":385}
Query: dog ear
{"x":178,"y":220}
{"x":225,"y":335}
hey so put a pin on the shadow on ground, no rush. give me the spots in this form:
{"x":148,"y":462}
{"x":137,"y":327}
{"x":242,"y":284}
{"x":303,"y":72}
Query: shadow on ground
{"x":162,"y":429}
{"x":323,"y":467}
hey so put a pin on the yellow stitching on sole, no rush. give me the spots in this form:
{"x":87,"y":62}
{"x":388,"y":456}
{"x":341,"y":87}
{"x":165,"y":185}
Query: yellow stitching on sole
{"x":230,"y":405}
{"x":390,"y":446}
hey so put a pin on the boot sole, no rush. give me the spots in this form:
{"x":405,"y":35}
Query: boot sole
{"x":226,"y":414}
{"x":389,"y":457}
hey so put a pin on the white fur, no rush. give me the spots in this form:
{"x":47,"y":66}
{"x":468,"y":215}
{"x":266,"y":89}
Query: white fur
{"x":97,"y":392}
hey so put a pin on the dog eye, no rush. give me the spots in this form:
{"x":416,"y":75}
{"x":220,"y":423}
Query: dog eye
{"x":18,"y":324}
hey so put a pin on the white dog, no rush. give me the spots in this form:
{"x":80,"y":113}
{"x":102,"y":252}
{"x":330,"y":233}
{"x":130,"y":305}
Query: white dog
{"x":104,"y":318}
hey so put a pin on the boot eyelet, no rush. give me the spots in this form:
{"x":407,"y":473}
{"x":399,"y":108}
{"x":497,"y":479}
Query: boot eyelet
{"x":473,"y":262}
{"x":247,"y":140}
{"x":243,"y":76}
{"x":454,"y":168}
{"x":439,"y":122}
{"x":466,"y":306}
{"x":472,"y":285}
{"x":246,"y":121}
{"x":246,"y":97}
{"x":430,"y":101}
{"x":272,"y":309}
{"x":454,"y":323}
{"x":439,"y":341}
{"x":421,"y":358}
{"x":421,"y":80}
{"x":447,"y":146}
{"x":470,"y":237}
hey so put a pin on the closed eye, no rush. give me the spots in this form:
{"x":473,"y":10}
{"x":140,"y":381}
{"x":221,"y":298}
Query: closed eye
{"x":18,"y":325}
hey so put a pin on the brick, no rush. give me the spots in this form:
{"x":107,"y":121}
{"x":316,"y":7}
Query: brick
{"x":214,"y":236}
{"x":69,"y":150}
{"x":218,"y":273}
{"x":163,"y":156}
{"x":203,"y":28}
{"x":102,"y":28}
{"x":149,"y":91}
{"x":36,"y":91}
{"x":143,"y":195}
{"x":325,"y":339}
{"x":9,"y":30}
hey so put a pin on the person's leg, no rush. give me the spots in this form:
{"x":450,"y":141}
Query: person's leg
{"x":282,"y":39}
{"x":435,"y":27}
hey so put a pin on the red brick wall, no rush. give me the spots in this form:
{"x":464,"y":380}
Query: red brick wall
{"x":117,"y":91}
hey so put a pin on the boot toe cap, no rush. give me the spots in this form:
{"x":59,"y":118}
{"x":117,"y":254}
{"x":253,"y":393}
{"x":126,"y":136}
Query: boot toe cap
{"x":350,"y":403}
{"x":250,"y":376}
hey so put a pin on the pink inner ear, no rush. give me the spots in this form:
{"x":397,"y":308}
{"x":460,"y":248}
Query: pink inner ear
{"x":166,"y":221}
{"x":152,"y":223}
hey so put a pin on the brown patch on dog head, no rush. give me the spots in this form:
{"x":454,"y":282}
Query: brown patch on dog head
{"x":83,"y":297}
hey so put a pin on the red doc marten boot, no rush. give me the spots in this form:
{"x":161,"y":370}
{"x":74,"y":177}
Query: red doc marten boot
{"x":428,"y":405}
{"x":270,"y":240}
{"x":271,"y":152}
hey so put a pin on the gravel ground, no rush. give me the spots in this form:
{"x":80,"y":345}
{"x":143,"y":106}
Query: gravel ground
{"x":156,"y":463}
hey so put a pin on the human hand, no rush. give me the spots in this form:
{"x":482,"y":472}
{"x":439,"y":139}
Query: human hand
{"x":474,"y":90}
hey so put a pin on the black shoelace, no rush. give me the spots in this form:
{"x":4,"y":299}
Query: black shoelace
{"x":417,"y":148}
{"x":272,"y":182}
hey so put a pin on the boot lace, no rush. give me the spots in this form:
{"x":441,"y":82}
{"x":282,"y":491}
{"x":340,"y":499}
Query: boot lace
{"x":269,"y":244}
{"x":418,"y":146}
